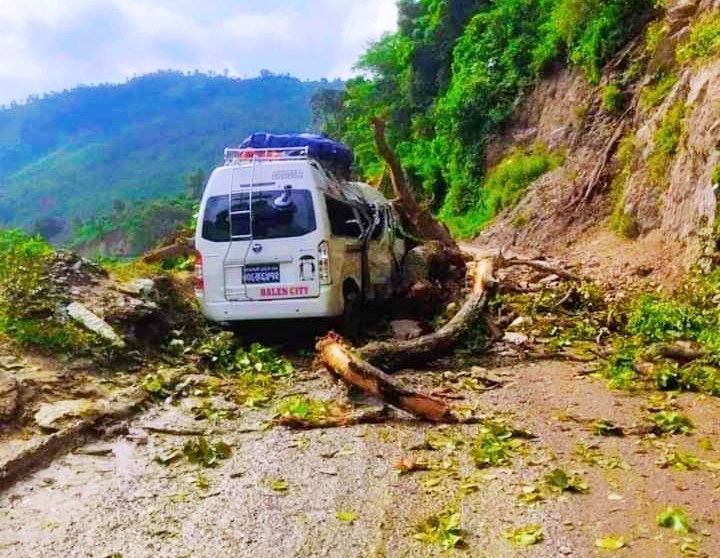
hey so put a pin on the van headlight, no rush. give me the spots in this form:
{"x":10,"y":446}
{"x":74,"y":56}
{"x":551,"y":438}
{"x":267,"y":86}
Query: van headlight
{"x":324,"y":263}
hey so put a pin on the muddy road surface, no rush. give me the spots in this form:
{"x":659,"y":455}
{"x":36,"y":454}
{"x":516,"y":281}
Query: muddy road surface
{"x":378,"y":490}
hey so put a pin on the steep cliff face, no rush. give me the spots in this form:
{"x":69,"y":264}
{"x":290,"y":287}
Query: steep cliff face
{"x":642,"y":149}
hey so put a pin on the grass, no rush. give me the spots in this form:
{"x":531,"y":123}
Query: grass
{"x":666,"y":144}
{"x":703,"y":41}
{"x":656,"y":32}
{"x":502,"y":188}
{"x":613,"y":97}
{"x":29,"y":298}
{"x":652,"y":321}
{"x":653,"y":94}
{"x":621,"y":221}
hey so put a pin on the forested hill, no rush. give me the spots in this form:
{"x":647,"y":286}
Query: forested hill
{"x":69,"y":155}
{"x":456,"y":70}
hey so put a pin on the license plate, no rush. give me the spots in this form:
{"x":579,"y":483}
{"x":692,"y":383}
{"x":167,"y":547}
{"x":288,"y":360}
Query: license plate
{"x":255,"y":274}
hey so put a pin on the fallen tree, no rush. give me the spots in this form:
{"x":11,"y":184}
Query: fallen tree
{"x":355,"y":366}
{"x":395,"y":354}
{"x":340,"y":360}
{"x":417,"y":219}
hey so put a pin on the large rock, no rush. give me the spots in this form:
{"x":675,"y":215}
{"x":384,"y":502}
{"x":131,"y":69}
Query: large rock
{"x":9,"y":397}
{"x":406,"y":329}
{"x":94,"y":323}
{"x":50,"y":416}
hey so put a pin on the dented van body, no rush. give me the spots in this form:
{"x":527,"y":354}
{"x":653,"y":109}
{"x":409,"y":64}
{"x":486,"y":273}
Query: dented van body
{"x":278,"y":237}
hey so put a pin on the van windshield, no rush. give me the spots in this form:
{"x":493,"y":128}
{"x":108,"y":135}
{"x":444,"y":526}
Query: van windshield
{"x":275,"y":214}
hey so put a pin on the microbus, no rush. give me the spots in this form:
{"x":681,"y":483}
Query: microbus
{"x":279,"y":236}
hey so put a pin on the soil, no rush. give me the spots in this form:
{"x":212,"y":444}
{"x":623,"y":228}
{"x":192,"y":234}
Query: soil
{"x":113,"y":499}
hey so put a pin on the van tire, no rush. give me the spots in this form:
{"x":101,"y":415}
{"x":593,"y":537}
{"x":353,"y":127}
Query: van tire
{"x":349,"y":324}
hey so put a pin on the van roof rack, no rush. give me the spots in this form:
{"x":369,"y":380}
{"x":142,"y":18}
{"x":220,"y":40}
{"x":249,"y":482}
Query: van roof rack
{"x":239,"y":156}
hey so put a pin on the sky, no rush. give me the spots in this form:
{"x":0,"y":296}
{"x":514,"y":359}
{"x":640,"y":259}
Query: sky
{"x":51,"y":45}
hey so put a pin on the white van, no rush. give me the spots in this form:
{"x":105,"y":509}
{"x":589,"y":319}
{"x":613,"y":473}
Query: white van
{"x":279,"y":237}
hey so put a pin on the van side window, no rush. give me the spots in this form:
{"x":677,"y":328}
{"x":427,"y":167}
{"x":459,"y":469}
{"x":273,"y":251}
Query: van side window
{"x":215,"y":221}
{"x":339,"y":214}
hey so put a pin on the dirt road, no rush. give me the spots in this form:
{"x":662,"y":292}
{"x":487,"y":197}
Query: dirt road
{"x":335,"y":493}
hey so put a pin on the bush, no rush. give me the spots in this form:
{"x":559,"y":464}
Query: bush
{"x":28,"y":298}
{"x":667,"y":142}
{"x":613,"y":98}
{"x":704,"y":39}
{"x":655,"y":93}
{"x":503,"y":187}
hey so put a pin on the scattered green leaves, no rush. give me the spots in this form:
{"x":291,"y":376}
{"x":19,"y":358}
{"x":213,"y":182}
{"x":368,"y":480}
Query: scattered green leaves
{"x":607,"y":428}
{"x":346,"y":516}
{"x":610,"y":543}
{"x":525,"y":536}
{"x":560,"y":481}
{"x":279,"y":485}
{"x":672,"y":422}
{"x":674,"y":518}
{"x":442,"y":530}
{"x":203,"y":452}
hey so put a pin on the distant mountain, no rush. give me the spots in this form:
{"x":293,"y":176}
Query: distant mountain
{"x":66,"y":156}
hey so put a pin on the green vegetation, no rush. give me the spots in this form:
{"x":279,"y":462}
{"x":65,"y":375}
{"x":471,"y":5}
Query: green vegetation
{"x":704,"y":39}
{"x":306,"y":409}
{"x":654,"y":321}
{"x":674,"y":518}
{"x":503,"y":187}
{"x":610,"y":543}
{"x":256,"y":371}
{"x":29,"y":298}
{"x":653,"y":94}
{"x":72,"y":153}
{"x":495,"y":446}
{"x":671,"y":422}
{"x":613,"y":97}
{"x":559,"y":480}
{"x":716,"y":175}
{"x":656,"y":32}
{"x":203,"y":452}
{"x":525,"y":536}
{"x":451,"y":76}
{"x":667,"y":141}
{"x":442,"y":530}
{"x":141,"y":225}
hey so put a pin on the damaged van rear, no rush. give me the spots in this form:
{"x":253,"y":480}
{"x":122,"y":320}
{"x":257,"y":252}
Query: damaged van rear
{"x":279,"y":236}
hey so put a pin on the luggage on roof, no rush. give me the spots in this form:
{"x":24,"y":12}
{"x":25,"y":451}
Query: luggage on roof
{"x":319,"y":147}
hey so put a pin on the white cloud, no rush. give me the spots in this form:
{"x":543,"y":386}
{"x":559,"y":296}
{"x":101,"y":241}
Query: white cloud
{"x":56,"y":44}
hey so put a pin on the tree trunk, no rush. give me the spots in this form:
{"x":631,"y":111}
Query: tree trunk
{"x":339,"y":359}
{"x":393,"y":355}
{"x":418,"y":219}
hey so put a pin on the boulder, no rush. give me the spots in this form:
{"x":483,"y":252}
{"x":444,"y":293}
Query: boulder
{"x":9,"y":397}
{"x":406,"y":329}
{"x":94,"y":323}
{"x":50,"y":416}
{"x":515,"y":338}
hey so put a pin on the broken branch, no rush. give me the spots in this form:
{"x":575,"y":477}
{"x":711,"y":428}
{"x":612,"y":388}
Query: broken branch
{"x":392,"y":355}
{"x":338,"y":358}
{"x":541,"y":265}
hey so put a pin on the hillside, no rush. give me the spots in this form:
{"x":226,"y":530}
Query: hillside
{"x":69,"y":155}
{"x":573,"y":127}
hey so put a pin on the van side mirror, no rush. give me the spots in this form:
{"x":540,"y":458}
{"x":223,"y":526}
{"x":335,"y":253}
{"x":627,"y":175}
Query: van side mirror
{"x":353,"y":228}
